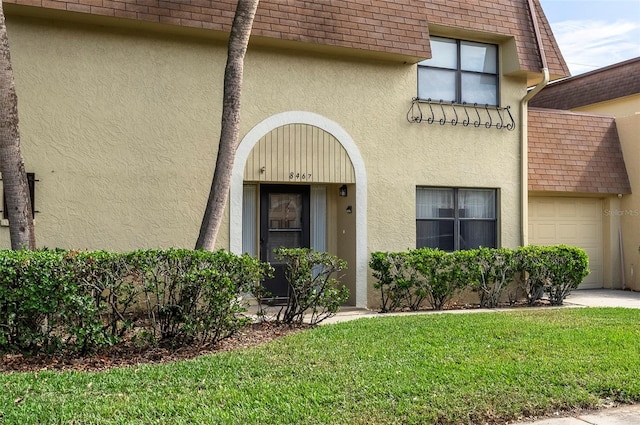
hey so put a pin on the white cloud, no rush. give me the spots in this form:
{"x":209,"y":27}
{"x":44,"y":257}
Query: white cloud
{"x":587,"y":45}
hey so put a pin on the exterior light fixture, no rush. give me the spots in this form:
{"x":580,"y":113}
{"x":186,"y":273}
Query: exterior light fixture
{"x":343,"y":191}
{"x":349,"y":209}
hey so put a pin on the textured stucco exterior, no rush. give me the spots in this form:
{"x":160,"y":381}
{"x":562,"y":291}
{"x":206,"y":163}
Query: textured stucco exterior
{"x":629,"y":212}
{"x":121,"y":130}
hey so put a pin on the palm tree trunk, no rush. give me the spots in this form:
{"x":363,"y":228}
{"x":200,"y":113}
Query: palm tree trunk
{"x":229,"y":131}
{"x":14,"y":177}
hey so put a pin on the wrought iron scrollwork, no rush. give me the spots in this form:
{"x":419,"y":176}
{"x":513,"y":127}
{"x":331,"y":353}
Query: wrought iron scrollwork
{"x":472,"y":114}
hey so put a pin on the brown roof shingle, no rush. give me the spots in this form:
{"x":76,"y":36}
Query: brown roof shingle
{"x":385,"y":26}
{"x":608,"y":83}
{"x":573,"y":152}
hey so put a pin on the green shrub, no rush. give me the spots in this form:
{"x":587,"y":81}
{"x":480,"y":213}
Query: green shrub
{"x":444,"y":273}
{"x":193,"y":295}
{"x":109,"y":279}
{"x":53,"y":300}
{"x":530,"y":264}
{"x":313,"y":289}
{"x":400,"y":284}
{"x":554,"y":269}
{"x":41,"y":307}
{"x":490,"y":271}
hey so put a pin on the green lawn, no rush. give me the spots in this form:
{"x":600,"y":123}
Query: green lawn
{"x":436,"y":368}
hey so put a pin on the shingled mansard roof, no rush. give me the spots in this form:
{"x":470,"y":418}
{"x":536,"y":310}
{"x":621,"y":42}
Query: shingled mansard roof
{"x":608,"y":83}
{"x":397,"y":28}
{"x":573,"y":152}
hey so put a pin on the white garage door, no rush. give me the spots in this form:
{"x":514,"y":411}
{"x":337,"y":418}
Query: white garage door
{"x":570,"y":221}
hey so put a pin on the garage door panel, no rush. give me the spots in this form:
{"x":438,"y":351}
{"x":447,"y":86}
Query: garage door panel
{"x":590,"y":210}
{"x":544,"y":209}
{"x":574,"y":222}
{"x":546,"y":231}
{"x":567,"y":210}
{"x":566,"y":231}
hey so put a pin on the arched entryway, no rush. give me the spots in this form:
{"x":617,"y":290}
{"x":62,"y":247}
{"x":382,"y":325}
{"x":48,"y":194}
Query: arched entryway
{"x":277,"y":153}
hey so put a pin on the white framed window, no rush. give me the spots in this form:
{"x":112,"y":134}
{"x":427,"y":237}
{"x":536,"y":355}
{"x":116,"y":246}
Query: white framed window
{"x":456,"y":218}
{"x":460,"y":71}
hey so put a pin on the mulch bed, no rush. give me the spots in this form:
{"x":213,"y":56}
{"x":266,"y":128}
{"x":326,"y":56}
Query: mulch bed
{"x":125,"y":355}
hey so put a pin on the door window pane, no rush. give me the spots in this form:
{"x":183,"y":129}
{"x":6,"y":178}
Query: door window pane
{"x":285,"y":211}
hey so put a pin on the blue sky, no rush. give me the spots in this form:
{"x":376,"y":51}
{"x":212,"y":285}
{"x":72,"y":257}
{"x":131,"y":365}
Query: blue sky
{"x":594,"y":33}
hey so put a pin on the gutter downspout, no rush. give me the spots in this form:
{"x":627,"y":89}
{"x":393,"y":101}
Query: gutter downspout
{"x":524,"y":140}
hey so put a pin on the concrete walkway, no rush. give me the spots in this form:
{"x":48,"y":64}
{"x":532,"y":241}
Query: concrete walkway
{"x":604,"y":298}
{"x":578,"y":298}
{"x":622,"y":415}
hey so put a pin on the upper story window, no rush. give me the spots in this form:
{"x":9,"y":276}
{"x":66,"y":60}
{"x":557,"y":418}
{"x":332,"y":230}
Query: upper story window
{"x":459,"y":71}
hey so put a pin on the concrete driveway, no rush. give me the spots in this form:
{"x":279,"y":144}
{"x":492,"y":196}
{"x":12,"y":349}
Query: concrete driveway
{"x":603,"y":298}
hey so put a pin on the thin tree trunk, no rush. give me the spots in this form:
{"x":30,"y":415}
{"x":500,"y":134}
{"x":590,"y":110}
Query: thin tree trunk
{"x":14,"y":177}
{"x":229,"y":132}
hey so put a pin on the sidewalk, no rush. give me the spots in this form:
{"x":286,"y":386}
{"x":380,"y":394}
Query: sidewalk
{"x":623,"y":415}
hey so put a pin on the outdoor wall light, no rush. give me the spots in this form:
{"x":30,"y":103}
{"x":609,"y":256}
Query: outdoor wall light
{"x":619,"y":195}
{"x":349,"y":209}
{"x":343,"y":191}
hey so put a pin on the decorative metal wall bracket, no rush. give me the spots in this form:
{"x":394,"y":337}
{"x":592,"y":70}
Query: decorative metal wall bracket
{"x":465,"y":114}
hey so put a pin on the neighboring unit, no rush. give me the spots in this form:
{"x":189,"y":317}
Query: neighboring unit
{"x":584,"y":165}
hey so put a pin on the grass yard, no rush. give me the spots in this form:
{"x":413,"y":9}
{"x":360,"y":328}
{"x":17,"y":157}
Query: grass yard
{"x":435,"y":368}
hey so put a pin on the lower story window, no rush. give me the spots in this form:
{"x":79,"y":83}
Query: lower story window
{"x":454,"y":218}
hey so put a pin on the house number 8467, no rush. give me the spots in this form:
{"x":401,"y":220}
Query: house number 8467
{"x":299,"y":176}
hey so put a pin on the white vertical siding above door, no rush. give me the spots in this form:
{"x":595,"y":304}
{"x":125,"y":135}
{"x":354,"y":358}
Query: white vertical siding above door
{"x":299,"y":153}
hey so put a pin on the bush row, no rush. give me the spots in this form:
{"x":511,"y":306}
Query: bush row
{"x":53,"y":300}
{"x":409,"y":280}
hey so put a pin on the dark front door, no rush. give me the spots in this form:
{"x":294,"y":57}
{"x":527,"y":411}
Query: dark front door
{"x":284,"y":222}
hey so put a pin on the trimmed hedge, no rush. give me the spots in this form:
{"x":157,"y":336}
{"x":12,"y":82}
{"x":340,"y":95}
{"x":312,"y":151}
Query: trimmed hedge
{"x":56,"y":300}
{"x":555,"y":270}
{"x":407,"y":280}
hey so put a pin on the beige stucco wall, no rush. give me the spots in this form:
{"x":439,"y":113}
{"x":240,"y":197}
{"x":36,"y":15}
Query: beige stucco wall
{"x":121,"y":128}
{"x":622,"y":107}
{"x":629,"y":131}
